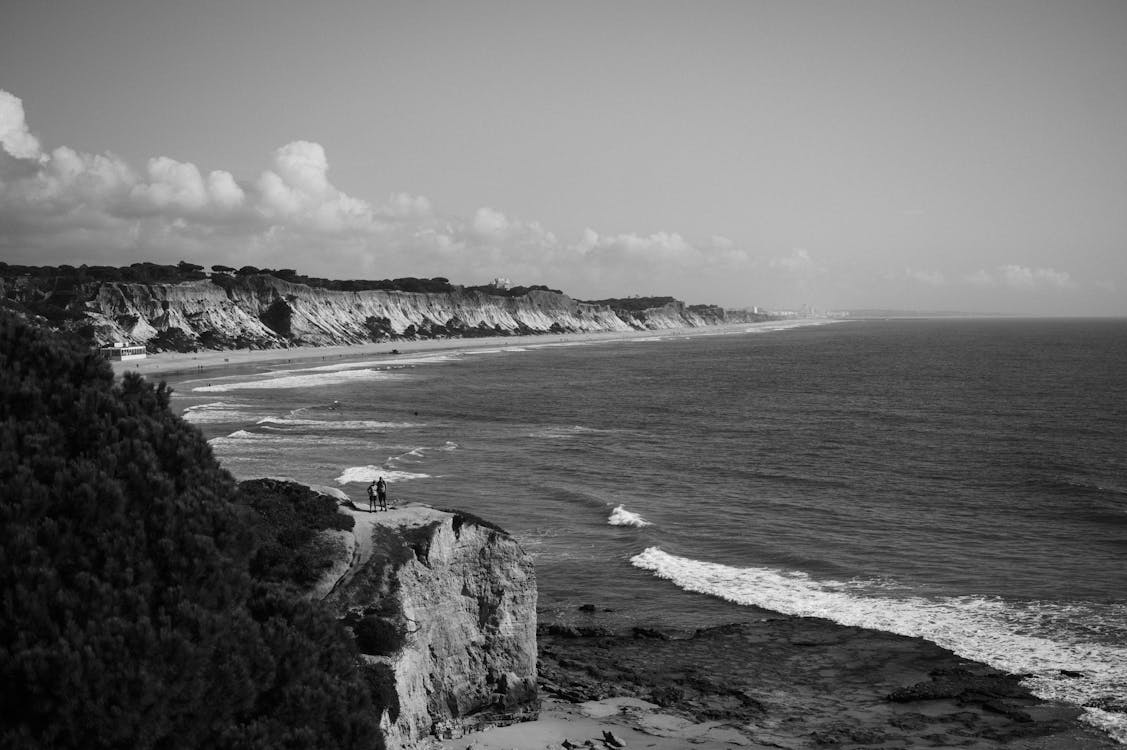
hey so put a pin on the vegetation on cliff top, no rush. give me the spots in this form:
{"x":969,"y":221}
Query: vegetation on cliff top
{"x":129,"y":612}
{"x":287,"y":521}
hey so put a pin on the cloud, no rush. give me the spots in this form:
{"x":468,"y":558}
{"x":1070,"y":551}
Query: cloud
{"x":664,"y":247}
{"x":15,"y":138}
{"x":798,"y":263}
{"x":1022,"y":278}
{"x":1034,"y":278}
{"x":67,"y":206}
{"x":931,"y":278}
{"x":175,"y":186}
{"x":490,"y":223}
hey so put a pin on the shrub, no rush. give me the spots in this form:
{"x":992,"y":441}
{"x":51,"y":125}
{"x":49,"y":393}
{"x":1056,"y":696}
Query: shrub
{"x":278,"y":317}
{"x":128,"y":616}
{"x":287,"y":521}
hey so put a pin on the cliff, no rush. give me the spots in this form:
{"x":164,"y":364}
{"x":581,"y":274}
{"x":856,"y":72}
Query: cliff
{"x":265,"y":312}
{"x":443,"y":608}
{"x":262,"y":310}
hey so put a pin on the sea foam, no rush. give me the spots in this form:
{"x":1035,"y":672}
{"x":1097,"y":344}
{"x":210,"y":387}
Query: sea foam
{"x":371,"y":473}
{"x":338,"y":424}
{"x":307,"y":380}
{"x":215,"y":412}
{"x":986,"y":629}
{"x":622,"y":517}
{"x":273,"y":440}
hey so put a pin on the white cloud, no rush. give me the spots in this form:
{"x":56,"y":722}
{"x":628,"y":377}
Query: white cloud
{"x":66,"y":206}
{"x":302,"y":166}
{"x":14,"y":135}
{"x":490,"y":223}
{"x":172,"y":184}
{"x":1035,"y":278}
{"x":224,"y":191}
{"x":1022,"y":277}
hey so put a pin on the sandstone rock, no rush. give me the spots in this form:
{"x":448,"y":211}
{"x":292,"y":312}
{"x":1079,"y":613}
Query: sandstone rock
{"x":445,"y":605}
{"x":232,"y":315}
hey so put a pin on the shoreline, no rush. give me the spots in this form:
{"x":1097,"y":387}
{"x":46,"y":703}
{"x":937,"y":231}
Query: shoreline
{"x":188,"y":363}
{"x":778,"y":681}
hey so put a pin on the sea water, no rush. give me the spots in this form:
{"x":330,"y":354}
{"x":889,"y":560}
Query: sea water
{"x":964,"y":481}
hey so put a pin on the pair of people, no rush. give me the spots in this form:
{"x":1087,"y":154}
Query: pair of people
{"x":377,"y":494}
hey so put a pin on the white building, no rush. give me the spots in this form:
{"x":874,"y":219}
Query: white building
{"x":120,"y":351}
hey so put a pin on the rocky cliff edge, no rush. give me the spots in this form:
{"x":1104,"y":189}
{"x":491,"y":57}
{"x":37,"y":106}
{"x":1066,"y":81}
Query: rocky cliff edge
{"x":443,"y":607}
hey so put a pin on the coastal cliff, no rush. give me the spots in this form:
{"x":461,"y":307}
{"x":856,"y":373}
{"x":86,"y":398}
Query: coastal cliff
{"x":443,"y":609}
{"x":265,"y":312}
{"x":262,"y":310}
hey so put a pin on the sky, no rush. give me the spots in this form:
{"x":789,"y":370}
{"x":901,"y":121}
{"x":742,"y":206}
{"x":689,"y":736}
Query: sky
{"x":962,"y":155}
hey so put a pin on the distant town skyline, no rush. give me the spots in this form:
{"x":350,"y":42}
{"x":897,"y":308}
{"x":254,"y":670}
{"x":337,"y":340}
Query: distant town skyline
{"x":874,"y":154}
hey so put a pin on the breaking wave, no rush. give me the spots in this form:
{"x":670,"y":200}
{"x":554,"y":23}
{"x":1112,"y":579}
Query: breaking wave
{"x":622,"y":517}
{"x":389,"y":361}
{"x":339,"y":424}
{"x":308,"y":380}
{"x":1019,"y":638}
{"x":214,"y":413}
{"x":366,"y":474}
{"x":247,"y":439}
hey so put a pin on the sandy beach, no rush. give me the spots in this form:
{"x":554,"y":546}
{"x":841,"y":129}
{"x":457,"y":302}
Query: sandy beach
{"x":174,"y":363}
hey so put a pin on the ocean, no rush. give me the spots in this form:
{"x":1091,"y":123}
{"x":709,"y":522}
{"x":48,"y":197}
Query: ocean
{"x":960,"y":480}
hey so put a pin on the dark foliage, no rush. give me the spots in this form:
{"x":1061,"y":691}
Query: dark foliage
{"x":516,"y":291}
{"x":633,"y":304}
{"x":128,"y":616}
{"x":381,"y":684}
{"x":70,"y":278}
{"x":172,"y":340}
{"x":81,"y":282}
{"x":278,"y":317}
{"x":379,"y":327}
{"x":380,"y":635}
{"x":287,"y":520}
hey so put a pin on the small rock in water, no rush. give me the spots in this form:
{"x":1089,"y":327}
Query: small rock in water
{"x":587,"y":608}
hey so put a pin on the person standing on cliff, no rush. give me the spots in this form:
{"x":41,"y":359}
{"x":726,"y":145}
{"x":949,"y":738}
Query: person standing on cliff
{"x":381,"y":493}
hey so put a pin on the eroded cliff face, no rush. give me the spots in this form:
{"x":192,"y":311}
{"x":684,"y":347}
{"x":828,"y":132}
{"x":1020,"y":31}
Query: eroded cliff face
{"x":443,"y":607}
{"x":264,"y":311}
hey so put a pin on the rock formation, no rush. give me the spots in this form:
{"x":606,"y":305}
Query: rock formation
{"x":262,"y":311}
{"x":443,"y":607}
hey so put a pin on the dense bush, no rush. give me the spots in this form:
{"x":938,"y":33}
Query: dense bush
{"x":278,"y":317}
{"x":287,"y":521}
{"x":632,"y":304}
{"x":128,"y":615}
